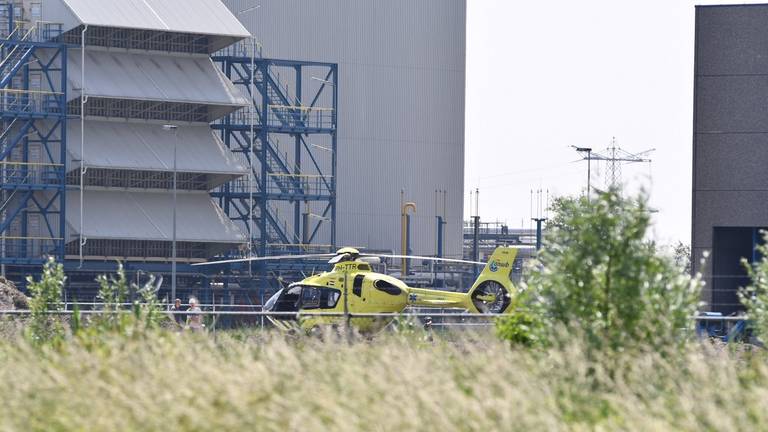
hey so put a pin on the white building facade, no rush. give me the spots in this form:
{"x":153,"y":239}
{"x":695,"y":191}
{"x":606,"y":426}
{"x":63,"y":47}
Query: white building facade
{"x":401,"y":107}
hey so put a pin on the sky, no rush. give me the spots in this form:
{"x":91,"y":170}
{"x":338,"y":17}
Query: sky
{"x":545,"y":76}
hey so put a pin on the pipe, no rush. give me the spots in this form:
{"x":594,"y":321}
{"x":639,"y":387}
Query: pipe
{"x":405,"y":222}
{"x":173,"y":263}
{"x":251,"y":155}
{"x":83,"y":101}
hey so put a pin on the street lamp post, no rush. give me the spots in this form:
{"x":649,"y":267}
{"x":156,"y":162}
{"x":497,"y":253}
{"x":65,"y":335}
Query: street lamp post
{"x":251,"y":154}
{"x":588,"y":151}
{"x":174,"y":129}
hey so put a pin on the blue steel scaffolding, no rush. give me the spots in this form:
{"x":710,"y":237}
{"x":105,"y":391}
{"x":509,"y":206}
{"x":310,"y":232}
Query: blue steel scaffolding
{"x":294,"y":178}
{"x":302,"y":178}
{"x":33,"y":86}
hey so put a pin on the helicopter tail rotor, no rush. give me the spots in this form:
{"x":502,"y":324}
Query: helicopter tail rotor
{"x":493,"y":290}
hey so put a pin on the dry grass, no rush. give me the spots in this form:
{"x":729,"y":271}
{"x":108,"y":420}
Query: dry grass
{"x":174,"y":382}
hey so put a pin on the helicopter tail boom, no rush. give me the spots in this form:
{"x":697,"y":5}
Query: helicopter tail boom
{"x":491,"y":293}
{"x":437,"y":299}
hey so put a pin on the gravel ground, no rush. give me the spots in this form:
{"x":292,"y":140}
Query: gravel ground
{"x":10,"y":297}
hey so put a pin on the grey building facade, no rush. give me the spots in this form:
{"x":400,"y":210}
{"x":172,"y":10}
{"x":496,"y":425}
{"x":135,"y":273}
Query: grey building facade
{"x":730,"y":146}
{"x":401,"y":106}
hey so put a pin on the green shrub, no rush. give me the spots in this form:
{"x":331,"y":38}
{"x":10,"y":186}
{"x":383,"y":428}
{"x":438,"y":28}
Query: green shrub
{"x":521,"y":326}
{"x":115,"y":318}
{"x":755,"y":296}
{"x":45,"y":327}
{"x":600,"y":277}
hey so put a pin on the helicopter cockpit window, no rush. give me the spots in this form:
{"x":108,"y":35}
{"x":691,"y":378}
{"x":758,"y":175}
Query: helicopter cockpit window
{"x":387,"y":287}
{"x":310,"y":298}
{"x":319,"y":298}
{"x":329,"y":298}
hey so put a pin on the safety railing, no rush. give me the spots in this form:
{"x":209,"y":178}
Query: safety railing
{"x":300,"y":117}
{"x":281,"y":116}
{"x":31,"y":102}
{"x":304,"y":184}
{"x":289,"y":248}
{"x":242,"y":49}
{"x":309,"y":314}
{"x":30,"y":174}
{"x":24,"y":247}
{"x":315,"y":185}
{"x":31,"y":31}
{"x":241,"y":117}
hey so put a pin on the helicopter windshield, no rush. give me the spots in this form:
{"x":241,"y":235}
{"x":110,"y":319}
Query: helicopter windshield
{"x":284,"y":300}
{"x":302,"y":297}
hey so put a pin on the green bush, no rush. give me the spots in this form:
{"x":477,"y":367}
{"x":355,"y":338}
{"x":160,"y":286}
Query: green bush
{"x":115,"y":318}
{"x":598,"y":276}
{"x":45,"y":327}
{"x":755,"y":296}
{"x":521,"y":326}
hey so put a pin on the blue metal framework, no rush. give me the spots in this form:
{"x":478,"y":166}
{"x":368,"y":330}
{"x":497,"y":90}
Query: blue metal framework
{"x":33,"y":86}
{"x":33,"y":158}
{"x":307,"y":175}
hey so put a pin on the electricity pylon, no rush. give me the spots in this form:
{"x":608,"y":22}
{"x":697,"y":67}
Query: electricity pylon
{"x":615,"y":157}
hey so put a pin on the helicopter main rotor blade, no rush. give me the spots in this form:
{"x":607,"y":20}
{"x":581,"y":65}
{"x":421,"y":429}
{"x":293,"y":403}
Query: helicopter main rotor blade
{"x":268,"y":258}
{"x":426,"y":258}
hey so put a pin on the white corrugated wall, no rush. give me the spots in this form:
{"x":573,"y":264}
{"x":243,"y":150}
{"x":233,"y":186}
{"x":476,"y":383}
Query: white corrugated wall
{"x":401,"y":105}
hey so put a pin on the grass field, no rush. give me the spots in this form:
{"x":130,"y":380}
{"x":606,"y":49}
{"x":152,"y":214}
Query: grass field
{"x":187,"y":382}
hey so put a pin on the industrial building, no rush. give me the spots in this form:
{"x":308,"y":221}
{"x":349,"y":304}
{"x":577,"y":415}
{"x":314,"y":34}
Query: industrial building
{"x":143,"y":131}
{"x":401,"y":107}
{"x":730,"y":138}
{"x":148,"y":134}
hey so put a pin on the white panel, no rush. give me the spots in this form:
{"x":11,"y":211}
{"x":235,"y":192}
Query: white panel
{"x":180,"y":16}
{"x":148,"y":216}
{"x":146,"y":146}
{"x":168,"y":78}
{"x":55,"y":11}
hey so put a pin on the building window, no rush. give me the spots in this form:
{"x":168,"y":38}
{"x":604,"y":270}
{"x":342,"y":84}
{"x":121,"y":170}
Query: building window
{"x":33,"y":226}
{"x":35,"y":81}
{"x":35,"y":153}
{"x":730,"y":245}
{"x":36,"y":12}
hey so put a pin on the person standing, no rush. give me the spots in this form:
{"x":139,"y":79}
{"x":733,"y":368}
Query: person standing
{"x":177,"y":316}
{"x":428,"y":329}
{"x":194,"y":316}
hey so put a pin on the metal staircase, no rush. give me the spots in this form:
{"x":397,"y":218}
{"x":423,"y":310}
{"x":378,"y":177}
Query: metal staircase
{"x":293,"y":181}
{"x":32,"y":141}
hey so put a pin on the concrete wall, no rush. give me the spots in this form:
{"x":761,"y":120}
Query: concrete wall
{"x":401,"y":105}
{"x":730,"y":141}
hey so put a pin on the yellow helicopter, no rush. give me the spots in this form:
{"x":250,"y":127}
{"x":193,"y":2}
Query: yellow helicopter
{"x":351,"y":287}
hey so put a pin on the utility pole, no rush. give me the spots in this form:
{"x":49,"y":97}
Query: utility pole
{"x":538,"y":221}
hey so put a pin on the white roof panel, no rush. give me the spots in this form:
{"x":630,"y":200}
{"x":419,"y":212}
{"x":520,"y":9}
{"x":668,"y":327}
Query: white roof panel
{"x":148,"y":216}
{"x":208,"y":17}
{"x":146,"y":146}
{"x":167,"y":78}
